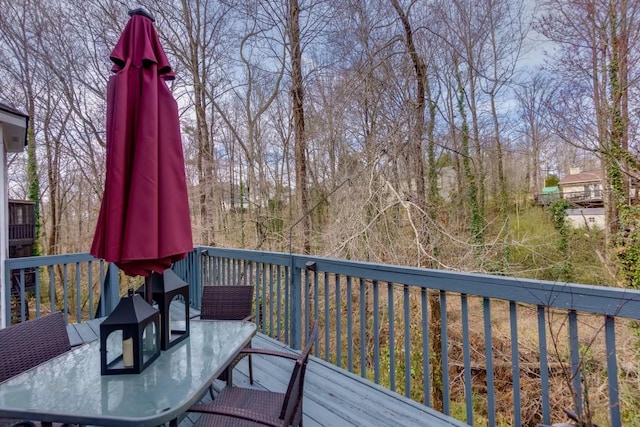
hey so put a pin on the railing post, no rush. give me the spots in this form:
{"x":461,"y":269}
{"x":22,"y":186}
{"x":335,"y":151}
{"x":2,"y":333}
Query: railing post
{"x":111,"y":295}
{"x":295,"y":305}
{"x":188,"y":269}
{"x":195,"y":277}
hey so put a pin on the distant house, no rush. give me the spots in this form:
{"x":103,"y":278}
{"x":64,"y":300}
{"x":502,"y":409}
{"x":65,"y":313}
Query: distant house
{"x":586,"y":217}
{"x":13,"y":138}
{"x":582,"y":188}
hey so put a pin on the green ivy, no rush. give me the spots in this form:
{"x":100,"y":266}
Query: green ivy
{"x":628,"y":245}
{"x":558,"y":217}
{"x":34,"y":188}
{"x":476,"y":226}
{"x":627,"y":238}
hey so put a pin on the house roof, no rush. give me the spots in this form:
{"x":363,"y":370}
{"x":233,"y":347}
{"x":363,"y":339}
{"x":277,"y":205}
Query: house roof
{"x":14,"y":125}
{"x":585,"y":211}
{"x":8,"y":109}
{"x":578,"y":178}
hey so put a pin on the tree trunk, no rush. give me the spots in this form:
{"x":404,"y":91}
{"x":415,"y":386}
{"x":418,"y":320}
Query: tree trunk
{"x":297,"y":97}
{"x":424,"y":236}
{"x":415,"y":149}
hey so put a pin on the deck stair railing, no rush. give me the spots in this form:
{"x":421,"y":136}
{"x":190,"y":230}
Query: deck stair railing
{"x":509,"y":349}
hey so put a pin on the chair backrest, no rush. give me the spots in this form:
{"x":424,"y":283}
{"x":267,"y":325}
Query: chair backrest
{"x":221,"y":302}
{"x":293,"y":397}
{"x":28,"y":344}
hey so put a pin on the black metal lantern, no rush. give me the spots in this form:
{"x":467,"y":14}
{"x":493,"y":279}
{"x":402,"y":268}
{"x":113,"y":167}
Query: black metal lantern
{"x":129,"y":337}
{"x":168,"y":288}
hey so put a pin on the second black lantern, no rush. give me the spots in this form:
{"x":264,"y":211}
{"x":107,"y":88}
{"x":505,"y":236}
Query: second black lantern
{"x":168,"y":288}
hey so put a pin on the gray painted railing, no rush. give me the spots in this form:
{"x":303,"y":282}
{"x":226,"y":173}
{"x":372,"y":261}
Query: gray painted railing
{"x":375,"y":322}
{"x":376,"y":319}
{"x":80,"y":281}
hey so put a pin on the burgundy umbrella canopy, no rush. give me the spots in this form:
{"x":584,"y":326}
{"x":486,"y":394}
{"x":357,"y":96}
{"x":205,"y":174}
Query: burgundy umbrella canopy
{"x":144,"y":224}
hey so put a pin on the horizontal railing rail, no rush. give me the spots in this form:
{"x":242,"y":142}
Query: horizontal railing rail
{"x":591,"y":194}
{"x":486,"y":349}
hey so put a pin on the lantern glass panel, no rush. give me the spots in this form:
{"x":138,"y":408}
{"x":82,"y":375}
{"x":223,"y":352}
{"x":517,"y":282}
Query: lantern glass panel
{"x":114,"y":346}
{"x":177,"y":318}
{"x":150,"y":343}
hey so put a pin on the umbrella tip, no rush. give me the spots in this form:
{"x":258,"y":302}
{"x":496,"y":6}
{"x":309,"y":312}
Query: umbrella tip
{"x":141,"y":11}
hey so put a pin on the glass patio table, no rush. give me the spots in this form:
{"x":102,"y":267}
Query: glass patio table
{"x":70,"y":388}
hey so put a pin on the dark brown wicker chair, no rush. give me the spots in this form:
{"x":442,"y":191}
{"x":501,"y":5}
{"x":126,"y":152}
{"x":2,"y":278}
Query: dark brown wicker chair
{"x":228,"y":303}
{"x":236,"y":406}
{"x":29,"y":344}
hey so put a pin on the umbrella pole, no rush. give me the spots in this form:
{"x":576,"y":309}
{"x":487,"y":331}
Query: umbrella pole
{"x":148,"y":289}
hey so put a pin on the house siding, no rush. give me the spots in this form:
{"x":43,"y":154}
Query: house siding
{"x":586,"y":218}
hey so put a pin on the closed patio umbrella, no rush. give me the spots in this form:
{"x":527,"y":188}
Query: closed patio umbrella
{"x":144,"y":224}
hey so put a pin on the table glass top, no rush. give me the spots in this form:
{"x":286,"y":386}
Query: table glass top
{"x":70,"y":387}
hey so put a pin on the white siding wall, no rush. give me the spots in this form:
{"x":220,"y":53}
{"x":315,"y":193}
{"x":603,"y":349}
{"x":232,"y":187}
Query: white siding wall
{"x":593,"y":218}
{"x":573,"y":188}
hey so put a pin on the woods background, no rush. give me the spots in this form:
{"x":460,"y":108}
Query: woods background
{"x":407,"y":132}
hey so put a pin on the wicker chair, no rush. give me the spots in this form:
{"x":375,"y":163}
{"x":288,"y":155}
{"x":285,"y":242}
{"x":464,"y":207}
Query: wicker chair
{"x":236,"y":406}
{"x":228,"y":303}
{"x":28,"y":344}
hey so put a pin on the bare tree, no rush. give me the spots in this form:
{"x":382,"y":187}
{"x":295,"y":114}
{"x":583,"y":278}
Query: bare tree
{"x":297,"y":99}
{"x":504,"y":44}
{"x":73,"y":91}
{"x":193,"y":32}
{"x":17,"y":60}
{"x":415,"y":140}
{"x":535,"y":96}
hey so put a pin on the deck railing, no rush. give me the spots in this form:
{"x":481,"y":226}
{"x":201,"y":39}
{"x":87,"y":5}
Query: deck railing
{"x":79,"y":280}
{"x":485,"y":349}
{"x":22,"y":229}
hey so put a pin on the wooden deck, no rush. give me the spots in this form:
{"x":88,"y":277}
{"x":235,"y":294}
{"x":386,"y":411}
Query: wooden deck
{"x":332,"y":396}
